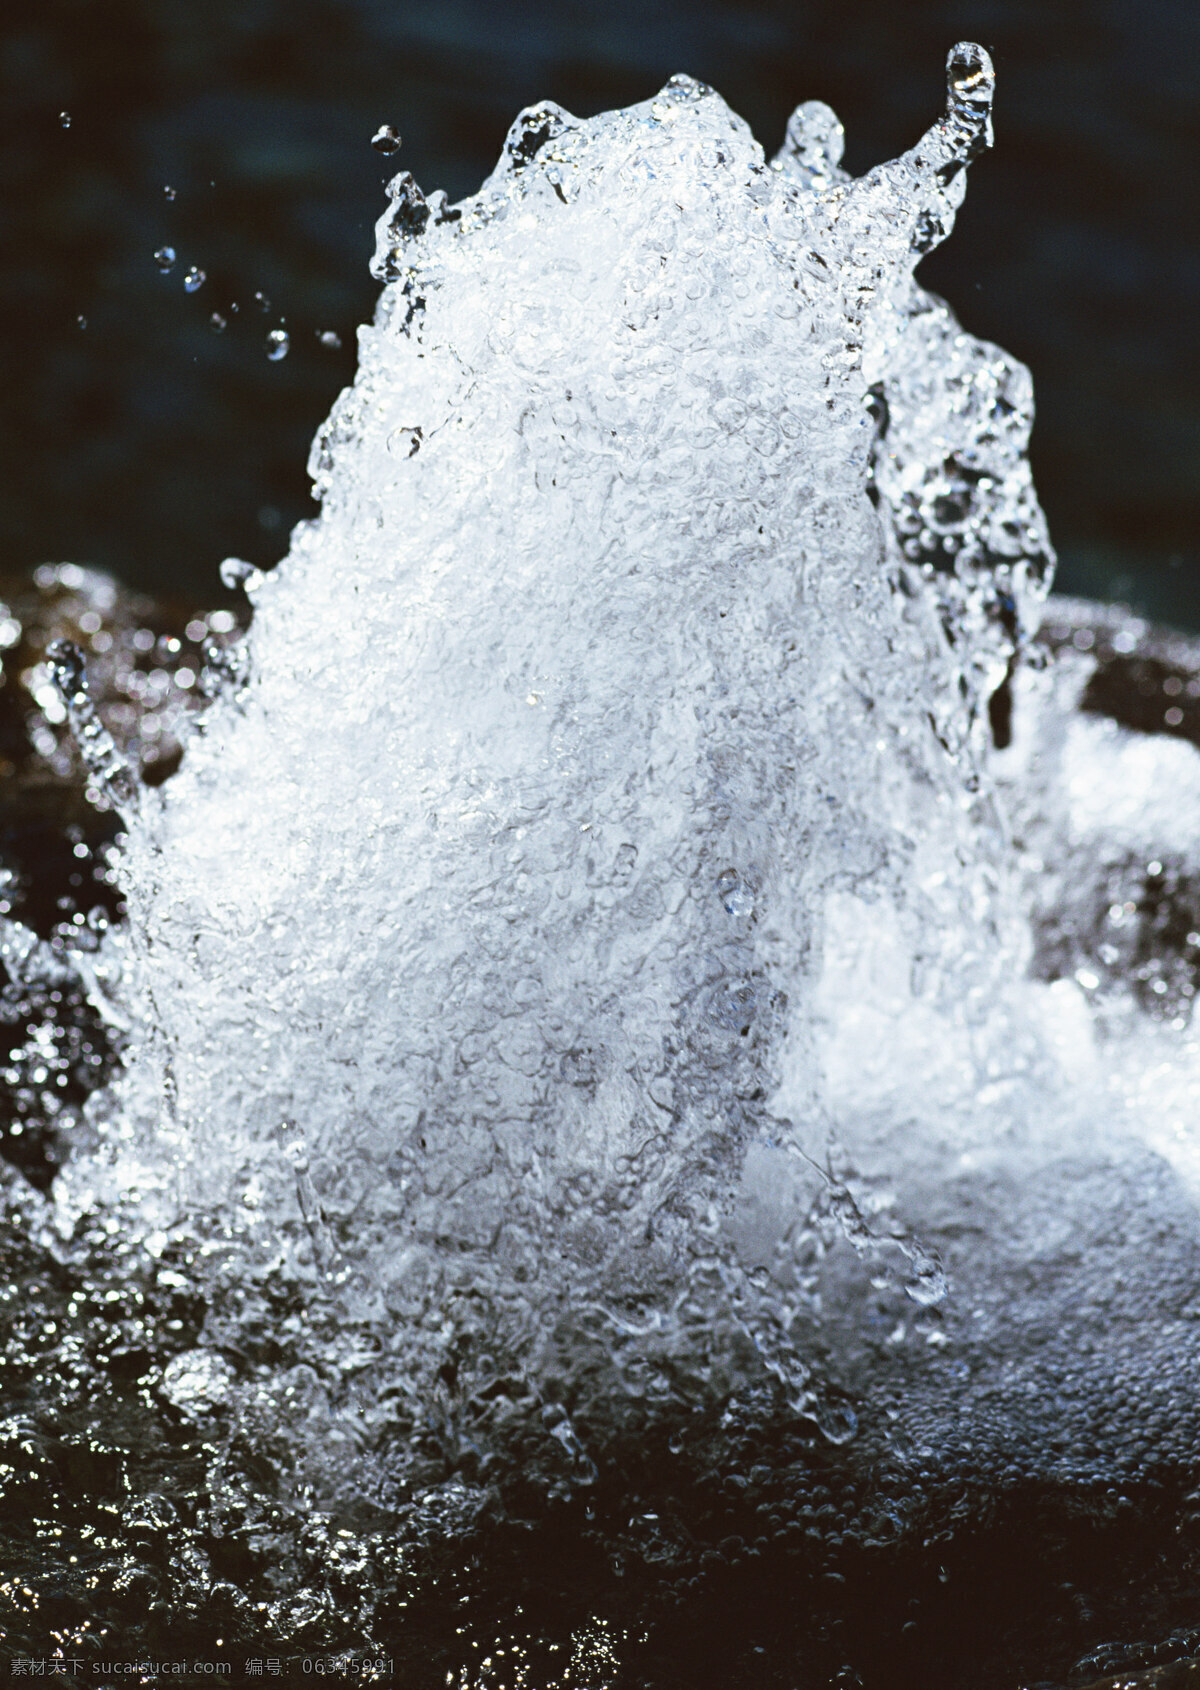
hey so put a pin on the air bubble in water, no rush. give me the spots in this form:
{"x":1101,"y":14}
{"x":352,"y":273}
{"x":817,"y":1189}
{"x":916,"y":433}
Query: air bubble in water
{"x":261,"y":300}
{"x":278,"y":342}
{"x":168,"y":191}
{"x":735,"y":895}
{"x":217,"y":323}
{"x":386,"y":139}
{"x":64,"y":117}
{"x":194,"y":280}
{"x":328,"y":338}
{"x":164,"y":257}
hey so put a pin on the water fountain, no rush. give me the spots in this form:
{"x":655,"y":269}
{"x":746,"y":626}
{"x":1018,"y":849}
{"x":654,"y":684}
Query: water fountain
{"x":604,"y":1059}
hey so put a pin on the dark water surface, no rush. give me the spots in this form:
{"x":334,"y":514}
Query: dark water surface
{"x":152,"y":446}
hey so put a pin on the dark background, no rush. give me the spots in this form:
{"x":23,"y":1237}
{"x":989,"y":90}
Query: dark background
{"x":152,"y":446}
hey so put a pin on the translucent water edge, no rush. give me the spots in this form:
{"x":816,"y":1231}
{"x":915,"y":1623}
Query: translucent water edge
{"x":591,"y":985}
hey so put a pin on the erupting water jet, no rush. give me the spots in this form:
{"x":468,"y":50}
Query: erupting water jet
{"x":582,"y":983}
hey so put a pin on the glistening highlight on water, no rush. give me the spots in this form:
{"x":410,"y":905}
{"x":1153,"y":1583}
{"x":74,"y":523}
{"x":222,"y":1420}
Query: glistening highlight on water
{"x":577,"y":993}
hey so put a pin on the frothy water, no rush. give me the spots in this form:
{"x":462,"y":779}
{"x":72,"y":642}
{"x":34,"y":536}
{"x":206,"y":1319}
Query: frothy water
{"x":587,"y":979}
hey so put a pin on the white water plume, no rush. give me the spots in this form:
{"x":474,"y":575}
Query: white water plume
{"x":588,"y":903}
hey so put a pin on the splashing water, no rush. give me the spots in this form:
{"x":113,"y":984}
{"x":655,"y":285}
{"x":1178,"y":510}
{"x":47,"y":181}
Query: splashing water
{"x":579,"y":971}
{"x":633,"y":635}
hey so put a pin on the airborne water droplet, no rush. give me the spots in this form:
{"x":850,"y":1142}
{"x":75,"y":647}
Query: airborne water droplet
{"x":164,"y":257}
{"x":194,"y":280}
{"x":278,"y":342}
{"x":236,"y":572}
{"x":386,"y":139}
{"x":928,"y":1285}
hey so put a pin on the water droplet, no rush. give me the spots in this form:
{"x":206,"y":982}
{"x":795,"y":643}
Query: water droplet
{"x":836,"y":1421}
{"x":68,"y":670}
{"x":386,"y":139}
{"x":164,"y":257}
{"x":928,"y":1285}
{"x":278,"y":343}
{"x":261,"y":300}
{"x":812,"y":151}
{"x":329,"y":339}
{"x":217,"y":323}
{"x":970,"y":85}
{"x":110,"y":774}
{"x":81,"y":323}
{"x":236,"y":572}
{"x":194,"y":280}
{"x":64,"y":117}
{"x":168,"y":191}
